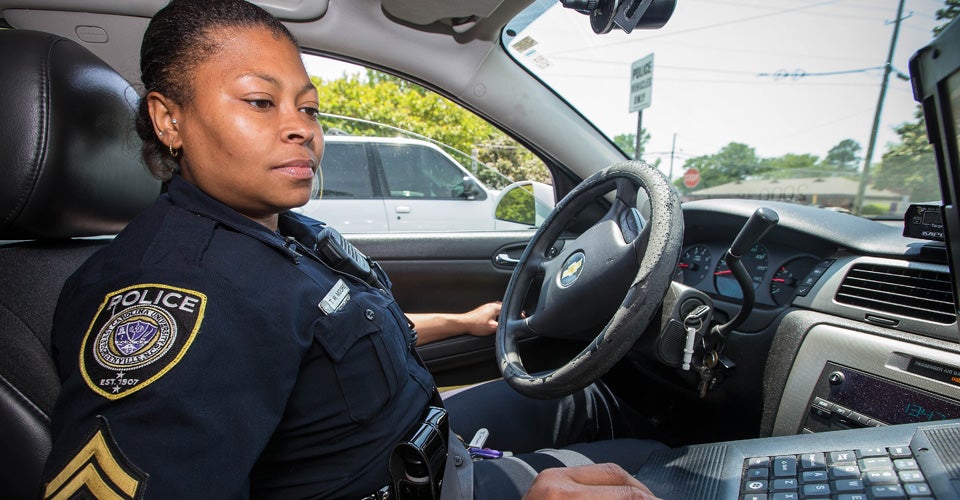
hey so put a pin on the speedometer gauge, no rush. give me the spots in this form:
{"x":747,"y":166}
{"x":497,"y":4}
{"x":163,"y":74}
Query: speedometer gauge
{"x":783,"y":285}
{"x":694,"y":264}
{"x":755,"y":260}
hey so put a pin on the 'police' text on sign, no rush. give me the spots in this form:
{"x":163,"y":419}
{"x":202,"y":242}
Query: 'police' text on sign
{"x":641,"y":83}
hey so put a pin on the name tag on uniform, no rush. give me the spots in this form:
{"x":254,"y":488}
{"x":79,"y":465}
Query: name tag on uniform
{"x":335,"y":298}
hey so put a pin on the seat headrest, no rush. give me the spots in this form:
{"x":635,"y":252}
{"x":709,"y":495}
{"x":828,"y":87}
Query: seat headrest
{"x":69,"y":154}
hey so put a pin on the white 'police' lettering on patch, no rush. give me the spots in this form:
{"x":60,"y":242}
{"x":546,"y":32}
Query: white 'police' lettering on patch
{"x":335,"y":298}
{"x":139,"y":334}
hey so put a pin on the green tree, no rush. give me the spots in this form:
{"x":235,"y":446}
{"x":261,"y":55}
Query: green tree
{"x":379,"y":104}
{"x":791,"y":166}
{"x":909,"y":167}
{"x":734,"y":162}
{"x":628,"y":143}
{"x":503,"y":154}
{"x":844,"y":157}
{"x":950,"y":10}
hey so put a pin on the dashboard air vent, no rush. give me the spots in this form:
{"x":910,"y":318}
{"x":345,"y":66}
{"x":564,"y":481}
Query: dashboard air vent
{"x":903,"y":291}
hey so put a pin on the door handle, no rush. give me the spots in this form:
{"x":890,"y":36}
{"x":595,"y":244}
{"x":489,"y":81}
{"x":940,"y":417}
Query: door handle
{"x":505,"y":260}
{"x":402,"y":209}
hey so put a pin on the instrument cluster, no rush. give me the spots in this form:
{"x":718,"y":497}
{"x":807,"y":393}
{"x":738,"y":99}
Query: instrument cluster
{"x":776,"y":272}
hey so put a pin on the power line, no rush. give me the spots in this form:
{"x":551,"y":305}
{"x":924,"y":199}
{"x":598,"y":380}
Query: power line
{"x":707,"y":26}
{"x":799,"y":73}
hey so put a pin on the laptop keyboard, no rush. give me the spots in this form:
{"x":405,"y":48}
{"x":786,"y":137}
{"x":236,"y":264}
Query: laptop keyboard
{"x":864,"y":474}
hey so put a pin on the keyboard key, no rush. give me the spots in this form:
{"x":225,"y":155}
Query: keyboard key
{"x":881,"y":477}
{"x":786,"y":495}
{"x":816,"y":490}
{"x":848,"y":485}
{"x":911,"y":476}
{"x":756,"y":474}
{"x":758,"y":462}
{"x":814,"y":476}
{"x":842,"y":458}
{"x":755,"y":496}
{"x":900,"y":452}
{"x":755,"y":486}
{"x":915,"y":489}
{"x":844,"y":471}
{"x":809,"y":461}
{"x":887,"y":491}
{"x":852,"y":496}
{"x":871,"y":452}
{"x":905,"y":464}
{"x":874,"y":463}
{"x":785,"y":466}
{"x":784,"y":485}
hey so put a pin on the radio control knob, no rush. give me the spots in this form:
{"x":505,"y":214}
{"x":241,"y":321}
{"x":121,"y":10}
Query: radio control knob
{"x":836,"y":378}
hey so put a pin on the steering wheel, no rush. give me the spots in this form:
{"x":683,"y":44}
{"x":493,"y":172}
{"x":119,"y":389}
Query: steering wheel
{"x":613,"y":276}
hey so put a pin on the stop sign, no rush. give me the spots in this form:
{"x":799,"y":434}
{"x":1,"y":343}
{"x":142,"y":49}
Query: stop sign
{"x":691,"y":178}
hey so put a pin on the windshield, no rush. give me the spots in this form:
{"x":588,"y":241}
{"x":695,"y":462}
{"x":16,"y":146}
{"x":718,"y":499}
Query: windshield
{"x":787,"y":100}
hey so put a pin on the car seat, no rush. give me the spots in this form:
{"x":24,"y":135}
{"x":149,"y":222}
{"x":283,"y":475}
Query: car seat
{"x":71,"y":176}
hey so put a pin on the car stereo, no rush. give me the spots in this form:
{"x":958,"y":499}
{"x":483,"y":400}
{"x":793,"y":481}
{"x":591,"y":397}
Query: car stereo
{"x":845,"y":398}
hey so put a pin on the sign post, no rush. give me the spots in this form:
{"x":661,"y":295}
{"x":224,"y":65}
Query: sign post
{"x":641,"y":85}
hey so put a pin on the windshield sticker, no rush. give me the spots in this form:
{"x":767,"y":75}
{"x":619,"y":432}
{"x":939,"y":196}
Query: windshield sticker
{"x":524,"y":44}
{"x":139,"y":334}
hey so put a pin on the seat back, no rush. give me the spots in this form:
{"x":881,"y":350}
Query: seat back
{"x":70,"y":173}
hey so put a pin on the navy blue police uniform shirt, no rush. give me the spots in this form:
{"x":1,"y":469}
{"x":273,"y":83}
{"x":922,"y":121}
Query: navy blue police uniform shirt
{"x":202,"y":357}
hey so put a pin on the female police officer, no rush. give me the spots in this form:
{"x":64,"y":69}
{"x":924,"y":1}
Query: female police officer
{"x":222,"y":346}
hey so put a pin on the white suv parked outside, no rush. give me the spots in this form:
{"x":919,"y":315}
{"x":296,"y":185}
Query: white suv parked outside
{"x":380,"y":184}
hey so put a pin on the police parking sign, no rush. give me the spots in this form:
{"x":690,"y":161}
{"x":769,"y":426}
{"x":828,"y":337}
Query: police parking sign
{"x":641,"y":83}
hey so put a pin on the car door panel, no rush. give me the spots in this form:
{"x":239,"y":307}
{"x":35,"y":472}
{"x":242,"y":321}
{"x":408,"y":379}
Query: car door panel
{"x":349,"y":215}
{"x":439,"y":215}
{"x":448,"y":272}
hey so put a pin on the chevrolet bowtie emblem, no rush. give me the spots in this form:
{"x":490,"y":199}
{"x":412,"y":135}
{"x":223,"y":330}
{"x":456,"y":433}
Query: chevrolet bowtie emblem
{"x":571,"y":270}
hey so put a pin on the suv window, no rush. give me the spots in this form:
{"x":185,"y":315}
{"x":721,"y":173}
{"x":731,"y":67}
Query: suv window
{"x":400,"y":157}
{"x":345,"y":173}
{"x":418,"y":172}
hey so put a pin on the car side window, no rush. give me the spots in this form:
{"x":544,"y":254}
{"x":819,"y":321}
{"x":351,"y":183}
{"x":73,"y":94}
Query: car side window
{"x":401,"y":157}
{"x":417,"y":172}
{"x":344,"y":172}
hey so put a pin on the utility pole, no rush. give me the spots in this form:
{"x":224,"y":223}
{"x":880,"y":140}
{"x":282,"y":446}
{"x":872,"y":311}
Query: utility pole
{"x":865,"y":176}
{"x":672,"y":149}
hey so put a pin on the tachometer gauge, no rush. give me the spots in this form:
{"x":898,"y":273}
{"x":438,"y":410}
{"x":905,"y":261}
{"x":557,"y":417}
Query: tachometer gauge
{"x":755,"y":260}
{"x":783,"y":285}
{"x":694,"y":264}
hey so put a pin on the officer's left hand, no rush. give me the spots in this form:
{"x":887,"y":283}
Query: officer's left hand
{"x":482,"y":321}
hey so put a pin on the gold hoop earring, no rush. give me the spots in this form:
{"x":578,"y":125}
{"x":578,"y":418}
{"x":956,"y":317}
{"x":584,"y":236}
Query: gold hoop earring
{"x":173,"y":152}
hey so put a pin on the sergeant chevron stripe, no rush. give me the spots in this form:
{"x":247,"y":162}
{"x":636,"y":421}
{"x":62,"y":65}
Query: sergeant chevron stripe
{"x":99,"y":470}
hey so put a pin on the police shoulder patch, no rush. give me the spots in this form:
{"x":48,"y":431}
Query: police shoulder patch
{"x":98,"y":470}
{"x":138,"y":334}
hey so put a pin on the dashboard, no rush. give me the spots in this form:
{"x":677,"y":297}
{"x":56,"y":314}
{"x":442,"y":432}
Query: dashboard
{"x":806,"y":259}
{"x":837,"y":297}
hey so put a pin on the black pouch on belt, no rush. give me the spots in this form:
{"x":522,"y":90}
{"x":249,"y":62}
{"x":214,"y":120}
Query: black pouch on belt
{"x":417,"y":462}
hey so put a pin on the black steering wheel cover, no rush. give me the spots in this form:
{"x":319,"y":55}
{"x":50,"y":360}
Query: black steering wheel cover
{"x":643,"y":298}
